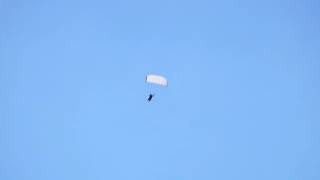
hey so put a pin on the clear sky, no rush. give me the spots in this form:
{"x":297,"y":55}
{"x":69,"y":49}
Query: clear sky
{"x":243,"y":100}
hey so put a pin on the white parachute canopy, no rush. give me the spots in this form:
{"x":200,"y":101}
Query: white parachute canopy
{"x":156,"y":79}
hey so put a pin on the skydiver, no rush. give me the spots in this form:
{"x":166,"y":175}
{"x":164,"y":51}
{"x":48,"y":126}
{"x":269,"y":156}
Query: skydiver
{"x":150,"y":97}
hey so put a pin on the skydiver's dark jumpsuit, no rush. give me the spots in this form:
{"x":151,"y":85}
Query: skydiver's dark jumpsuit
{"x":150,"y":97}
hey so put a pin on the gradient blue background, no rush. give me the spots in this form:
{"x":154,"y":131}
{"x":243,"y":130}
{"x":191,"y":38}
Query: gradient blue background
{"x":243,"y":101}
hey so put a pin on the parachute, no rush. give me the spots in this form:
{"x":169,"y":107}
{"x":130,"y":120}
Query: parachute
{"x":156,"y":79}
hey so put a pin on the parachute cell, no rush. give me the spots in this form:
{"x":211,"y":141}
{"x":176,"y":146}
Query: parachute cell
{"x":156,"y":79}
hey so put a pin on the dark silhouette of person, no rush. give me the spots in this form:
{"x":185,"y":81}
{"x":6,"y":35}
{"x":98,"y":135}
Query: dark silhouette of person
{"x":150,"y":97}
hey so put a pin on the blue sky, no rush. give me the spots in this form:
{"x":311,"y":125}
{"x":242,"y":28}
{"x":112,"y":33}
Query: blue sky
{"x":243,"y":100}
